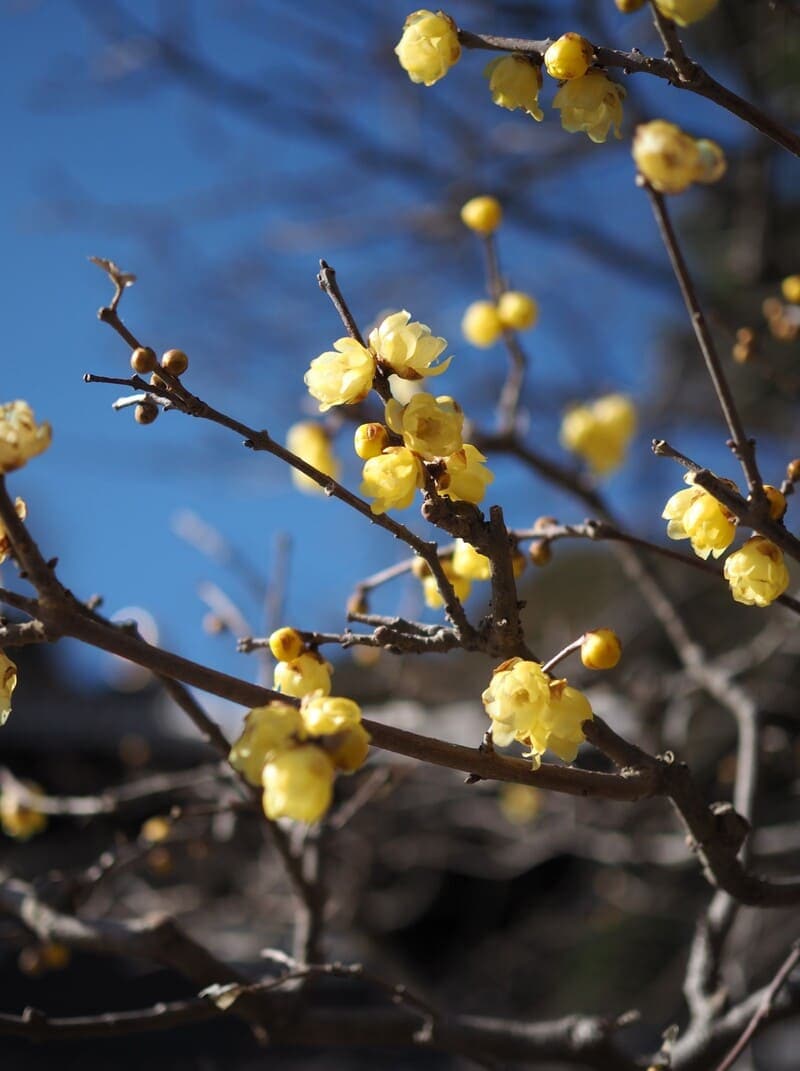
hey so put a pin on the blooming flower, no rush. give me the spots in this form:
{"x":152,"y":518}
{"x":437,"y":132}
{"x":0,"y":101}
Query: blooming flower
{"x":431,"y":427}
{"x":298,"y":784}
{"x":514,"y":82}
{"x":8,"y":682}
{"x":601,"y":649}
{"x":592,"y":104}
{"x":568,"y":57}
{"x":469,"y":562}
{"x":429,"y":46}
{"x":407,"y":347}
{"x":430,"y":589}
{"x":516,"y":700}
{"x":341,"y":376}
{"x":5,"y":543}
{"x":20,"y":819}
{"x":21,"y":438}
{"x":481,"y":324}
{"x":348,"y":750}
{"x":482,"y":214}
{"x":567,"y":712}
{"x":267,"y":730}
{"x":324,"y":714}
{"x":666,"y":156}
{"x":600,"y":432}
{"x":311,"y":442}
{"x":685,"y":12}
{"x":757,"y":573}
{"x":391,"y":479}
{"x":517,"y":310}
{"x":696,"y":515}
{"x":307,"y":673}
{"x":466,"y":476}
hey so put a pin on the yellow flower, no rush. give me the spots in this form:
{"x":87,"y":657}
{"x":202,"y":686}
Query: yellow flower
{"x":408,"y":349}
{"x":267,"y":730}
{"x":21,"y":820}
{"x":21,"y":438}
{"x":298,"y":784}
{"x":514,"y":82}
{"x":482,"y":214}
{"x":516,"y":700}
{"x":325,"y":714}
{"x":349,"y":749}
{"x":666,"y":156}
{"x":684,"y":12}
{"x":391,"y":479}
{"x":156,"y":829}
{"x":431,"y":427}
{"x":429,"y":46}
{"x":307,"y":673}
{"x":8,"y":682}
{"x":466,"y":477}
{"x":711,"y":162}
{"x":286,"y":644}
{"x":567,"y":712}
{"x":601,"y":649}
{"x":790,"y":288}
{"x":696,"y":515}
{"x":592,"y":104}
{"x":343,"y":377}
{"x":568,"y":57}
{"x":757,"y":572}
{"x":430,"y":589}
{"x":469,"y":562}
{"x":481,"y":324}
{"x":311,"y":442}
{"x":600,"y":432}
{"x":517,"y":310}
{"x":370,"y":440}
{"x":5,"y":543}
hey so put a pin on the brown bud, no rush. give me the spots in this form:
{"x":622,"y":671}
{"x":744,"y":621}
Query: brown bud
{"x":146,"y":413}
{"x":539,"y":551}
{"x":746,"y":335}
{"x":793,"y":470}
{"x":742,"y":353}
{"x":175,"y":362}
{"x":143,"y":360}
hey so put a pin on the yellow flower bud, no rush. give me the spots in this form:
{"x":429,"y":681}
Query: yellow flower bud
{"x":326,"y":714}
{"x":407,"y":348}
{"x":601,"y":649}
{"x":666,"y":156}
{"x":431,"y":427}
{"x":568,"y":57}
{"x":342,"y":376}
{"x":21,"y":438}
{"x":311,"y":443}
{"x":790,"y":288}
{"x":286,"y":644}
{"x":777,"y":502}
{"x":465,"y":477}
{"x":685,"y":12}
{"x":5,"y":543}
{"x":430,"y":589}
{"x":428,"y":47}
{"x":711,"y":162}
{"x":592,"y":104}
{"x":349,"y":749}
{"x":156,"y":829}
{"x":8,"y":682}
{"x":520,"y":804}
{"x":469,"y":562}
{"x":600,"y":432}
{"x":21,"y":820}
{"x":517,"y":310}
{"x":696,"y":515}
{"x":267,"y":730}
{"x":300,"y":676}
{"x":370,"y":440}
{"x":481,"y":324}
{"x":482,"y":214}
{"x":514,"y":82}
{"x":756,"y":572}
{"x":298,"y":784}
{"x":391,"y":479}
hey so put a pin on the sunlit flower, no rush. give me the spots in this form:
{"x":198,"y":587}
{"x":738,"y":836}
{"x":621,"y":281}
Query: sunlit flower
{"x":324,"y":714}
{"x":469,"y":562}
{"x":592,"y":104}
{"x":568,"y":57}
{"x":567,"y":712}
{"x":21,"y":438}
{"x":466,"y":476}
{"x":407,"y":348}
{"x":311,"y":442}
{"x":696,"y":515}
{"x":370,"y":440}
{"x":391,"y":479}
{"x":286,"y":643}
{"x":601,"y":649}
{"x":517,"y":310}
{"x":307,"y":673}
{"x":298,"y":784}
{"x":600,"y":431}
{"x":516,"y":700}
{"x":666,"y":156}
{"x":267,"y":730}
{"x":431,"y":427}
{"x":757,"y":573}
{"x":348,"y":750}
{"x":430,"y":589}
{"x":429,"y":46}
{"x":341,"y":376}
{"x":482,"y":214}
{"x":481,"y":325}
{"x":514,"y":82}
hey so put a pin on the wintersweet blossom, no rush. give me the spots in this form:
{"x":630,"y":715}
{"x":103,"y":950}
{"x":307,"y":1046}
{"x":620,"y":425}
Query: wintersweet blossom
{"x":568,"y":710}
{"x":466,"y":476}
{"x":267,"y":730}
{"x":696,"y":515}
{"x":514,"y":82}
{"x":516,"y":700}
{"x":482,"y":214}
{"x":757,"y":573}
{"x":307,"y":673}
{"x":430,"y":588}
{"x":323,"y":714}
{"x":481,"y":325}
{"x":311,"y":442}
{"x":431,"y":427}
{"x":592,"y":104}
{"x":601,"y":649}
{"x":370,"y":440}
{"x":517,"y":310}
{"x":666,"y":156}
{"x":341,"y":376}
{"x":429,"y":46}
{"x":407,"y":348}
{"x":298,"y":784}
{"x":21,"y":438}
{"x":469,"y":562}
{"x":391,"y":479}
{"x":600,"y":431}
{"x":286,"y":643}
{"x":568,"y":57}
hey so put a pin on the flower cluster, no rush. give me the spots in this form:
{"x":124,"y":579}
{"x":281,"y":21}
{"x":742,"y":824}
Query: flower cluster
{"x":526,"y":705}
{"x":311,"y":442}
{"x":21,"y":438}
{"x":671,"y":160}
{"x":600,"y":432}
{"x":299,"y":670}
{"x":757,"y":573}
{"x":294,"y":754}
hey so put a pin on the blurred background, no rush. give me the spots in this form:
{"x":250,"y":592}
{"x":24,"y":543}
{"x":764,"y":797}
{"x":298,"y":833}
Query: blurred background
{"x":218,"y":149}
